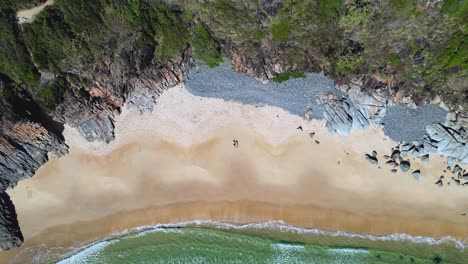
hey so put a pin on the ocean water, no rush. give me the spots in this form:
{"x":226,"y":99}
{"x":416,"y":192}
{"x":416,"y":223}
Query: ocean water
{"x":208,"y":242}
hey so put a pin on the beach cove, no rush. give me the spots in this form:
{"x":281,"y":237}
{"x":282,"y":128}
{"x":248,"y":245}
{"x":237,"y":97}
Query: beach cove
{"x":178,"y":164}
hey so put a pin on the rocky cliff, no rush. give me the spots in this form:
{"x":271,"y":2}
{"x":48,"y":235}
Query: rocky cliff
{"x":54,"y":71}
{"x":10,"y":234}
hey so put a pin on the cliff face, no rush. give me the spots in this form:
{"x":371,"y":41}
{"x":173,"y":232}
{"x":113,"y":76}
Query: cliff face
{"x":54,"y":71}
{"x":10,"y":234}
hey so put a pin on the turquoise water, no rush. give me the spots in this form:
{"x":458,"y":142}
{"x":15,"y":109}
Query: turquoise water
{"x":209,"y":243}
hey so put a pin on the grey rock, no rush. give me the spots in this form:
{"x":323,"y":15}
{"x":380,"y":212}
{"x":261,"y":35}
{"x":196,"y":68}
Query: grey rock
{"x":338,"y":119}
{"x":425,"y":158}
{"x":386,"y":156}
{"x":439,"y":183}
{"x":394,"y":170}
{"x":465,"y":176}
{"x":391,"y":163}
{"x":404,"y":153}
{"x":395,"y":155}
{"x":457,"y":182}
{"x":10,"y":233}
{"x":311,"y":134}
{"x":405,"y":166}
{"x":451,"y":160}
{"x":374,"y":153}
{"x":372,"y":159}
{"x":457,"y":168}
{"x":416,"y":174}
{"x":451,"y":139}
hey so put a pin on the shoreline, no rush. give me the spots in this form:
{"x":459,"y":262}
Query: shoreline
{"x":114,"y":187}
{"x":278,"y":225}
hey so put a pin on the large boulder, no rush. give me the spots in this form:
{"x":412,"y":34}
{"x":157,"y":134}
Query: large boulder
{"x":405,"y":165}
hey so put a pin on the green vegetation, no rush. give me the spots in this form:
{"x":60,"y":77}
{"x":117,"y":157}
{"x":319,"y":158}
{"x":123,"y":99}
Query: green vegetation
{"x":52,"y":95}
{"x":455,"y":8}
{"x":18,"y":4}
{"x":330,"y":9}
{"x":281,"y":30}
{"x":422,"y":49}
{"x":258,"y":35}
{"x":160,"y":25}
{"x":14,"y":57}
{"x":284,"y":76}
{"x":205,"y":48}
{"x":349,"y":64}
{"x":394,"y":59}
{"x":403,"y":6}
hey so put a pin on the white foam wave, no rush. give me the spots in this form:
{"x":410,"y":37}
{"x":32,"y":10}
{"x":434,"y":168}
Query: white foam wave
{"x":85,"y":255}
{"x":282,"y":226}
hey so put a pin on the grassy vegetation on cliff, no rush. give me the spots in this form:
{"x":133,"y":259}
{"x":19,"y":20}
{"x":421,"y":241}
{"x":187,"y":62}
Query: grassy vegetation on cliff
{"x":204,"y":47}
{"x":422,"y":47}
{"x":15,"y":60}
{"x":284,"y":76}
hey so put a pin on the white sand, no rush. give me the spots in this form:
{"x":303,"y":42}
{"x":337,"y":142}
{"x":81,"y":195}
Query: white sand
{"x":196,"y":117}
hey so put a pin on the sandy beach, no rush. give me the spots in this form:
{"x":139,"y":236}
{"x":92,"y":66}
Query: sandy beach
{"x":178,"y":163}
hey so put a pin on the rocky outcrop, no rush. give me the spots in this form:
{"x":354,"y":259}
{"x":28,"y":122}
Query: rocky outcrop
{"x":449,"y":138}
{"x":27,"y":137}
{"x":358,"y":109}
{"x":10,"y":234}
{"x":119,"y":79}
{"x":30,"y":133}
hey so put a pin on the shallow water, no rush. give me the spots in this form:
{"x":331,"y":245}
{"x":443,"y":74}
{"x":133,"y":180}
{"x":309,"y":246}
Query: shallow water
{"x":263,"y":243}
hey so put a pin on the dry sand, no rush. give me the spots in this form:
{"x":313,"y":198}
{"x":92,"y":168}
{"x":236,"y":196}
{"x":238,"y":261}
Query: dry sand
{"x":29,"y":14}
{"x":178,"y":164}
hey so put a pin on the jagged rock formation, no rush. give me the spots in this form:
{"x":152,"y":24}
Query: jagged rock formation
{"x":357,"y":110}
{"x":10,"y":234}
{"x":27,"y":137}
{"x":449,"y":138}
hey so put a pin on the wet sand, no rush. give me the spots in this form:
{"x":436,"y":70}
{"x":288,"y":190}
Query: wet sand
{"x":179,"y":164}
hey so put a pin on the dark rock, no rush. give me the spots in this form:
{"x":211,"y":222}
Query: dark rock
{"x":425,"y":158}
{"x":371,"y":159}
{"x":299,"y":128}
{"x":465,"y":176}
{"x":10,"y":233}
{"x":391,"y":163}
{"x":405,"y":166}
{"x":394,"y":170}
{"x":456,"y":181}
{"x":395,"y":155}
{"x":442,"y":177}
{"x":374,"y":153}
{"x":311,"y":134}
{"x":439,"y":183}
{"x":456,"y":169}
{"x":416,"y":174}
{"x":317,"y":142}
{"x":404,"y":153}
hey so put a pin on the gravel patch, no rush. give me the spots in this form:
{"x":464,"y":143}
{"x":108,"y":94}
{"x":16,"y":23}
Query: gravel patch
{"x":293,"y":95}
{"x":298,"y":95}
{"x":405,"y":124}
